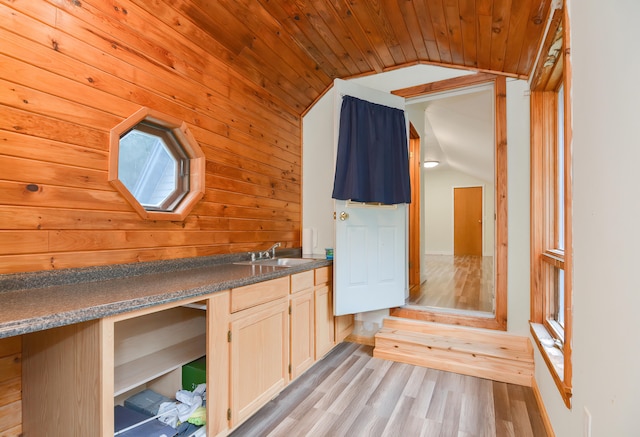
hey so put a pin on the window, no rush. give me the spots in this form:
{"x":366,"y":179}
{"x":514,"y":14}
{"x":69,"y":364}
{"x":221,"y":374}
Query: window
{"x":156,"y":165}
{"x":551,"y":284}
{"x":153,"y":166}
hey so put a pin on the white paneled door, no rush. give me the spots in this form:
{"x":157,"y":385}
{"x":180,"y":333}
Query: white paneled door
{"x":370,"y":256}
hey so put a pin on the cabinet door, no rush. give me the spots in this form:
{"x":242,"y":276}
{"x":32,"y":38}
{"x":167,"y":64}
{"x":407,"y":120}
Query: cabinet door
{"x":324,"y":329}
{"x":259,"y":356}
{"x":302,"y":332}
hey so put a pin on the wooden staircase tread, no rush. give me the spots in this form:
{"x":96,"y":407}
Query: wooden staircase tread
{"x":495,"y":355}
{"x":496,"y":364}
{"x":449,"y":344}
{"x":452,"y":344}
{"x":508,"y":340}
{"x":506,"y":373}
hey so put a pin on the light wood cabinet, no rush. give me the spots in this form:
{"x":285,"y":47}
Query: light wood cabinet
{"x":259,"y":356}
{"x":77,"y":373}
{"x":256,"y":338}
{"x":302,"y":315}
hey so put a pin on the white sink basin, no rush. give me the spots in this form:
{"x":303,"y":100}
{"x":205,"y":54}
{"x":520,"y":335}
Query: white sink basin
{"x":277,"y":262}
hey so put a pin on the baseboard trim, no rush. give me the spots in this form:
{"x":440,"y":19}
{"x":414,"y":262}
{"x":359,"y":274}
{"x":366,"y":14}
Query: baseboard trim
{"x":543,"y":410}
{"x":361,"y":339}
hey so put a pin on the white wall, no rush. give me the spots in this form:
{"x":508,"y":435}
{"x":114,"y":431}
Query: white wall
{"x":518,"y":193}
{"x":437,"y":191}
{"x":317,"y":172}
{"x":606,"y":153}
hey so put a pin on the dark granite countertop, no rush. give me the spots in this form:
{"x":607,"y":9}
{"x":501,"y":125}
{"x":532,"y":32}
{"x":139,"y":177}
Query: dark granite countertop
{"x":36,"y":301}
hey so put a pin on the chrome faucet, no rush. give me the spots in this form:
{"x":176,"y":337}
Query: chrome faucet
{"x":269,"y":253}
{"x":272,"y":250}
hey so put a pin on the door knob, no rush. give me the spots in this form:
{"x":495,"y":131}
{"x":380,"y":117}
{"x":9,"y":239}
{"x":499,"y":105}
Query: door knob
{"x":343,"y":215}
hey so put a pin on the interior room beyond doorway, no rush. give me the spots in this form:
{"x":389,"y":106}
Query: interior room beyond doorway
{"x":457,"y":282}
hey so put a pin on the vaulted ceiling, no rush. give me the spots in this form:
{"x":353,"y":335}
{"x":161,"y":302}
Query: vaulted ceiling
{"x":295,"y":48}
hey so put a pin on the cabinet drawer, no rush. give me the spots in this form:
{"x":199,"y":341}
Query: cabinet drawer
{"x":301,"y":281}
{"x":255,"y":294}
{"x":323,"y":275}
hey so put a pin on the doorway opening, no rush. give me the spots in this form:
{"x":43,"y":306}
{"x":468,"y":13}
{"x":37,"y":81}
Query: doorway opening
{"x":461,"y":282}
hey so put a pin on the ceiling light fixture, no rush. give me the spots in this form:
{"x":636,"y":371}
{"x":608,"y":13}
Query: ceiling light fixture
{"x":430,"y":164}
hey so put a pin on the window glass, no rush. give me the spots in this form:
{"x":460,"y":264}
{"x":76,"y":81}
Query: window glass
{"x":560,"y":171}
{"x":152,"y":165}
{"x":558,"y":314}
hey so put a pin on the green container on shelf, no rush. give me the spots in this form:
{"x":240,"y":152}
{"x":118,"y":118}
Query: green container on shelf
{"x":194,"y":374}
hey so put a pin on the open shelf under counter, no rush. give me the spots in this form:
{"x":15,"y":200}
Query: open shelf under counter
{"x":144,"y":369}
{"x":151,"y":345}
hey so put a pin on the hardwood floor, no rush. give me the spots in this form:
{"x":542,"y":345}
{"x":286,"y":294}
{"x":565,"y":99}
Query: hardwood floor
{"x":350,"y":393}
{"x":456,"y":282}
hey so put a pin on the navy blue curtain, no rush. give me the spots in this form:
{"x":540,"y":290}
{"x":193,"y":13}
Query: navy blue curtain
{"x":372,"y":163}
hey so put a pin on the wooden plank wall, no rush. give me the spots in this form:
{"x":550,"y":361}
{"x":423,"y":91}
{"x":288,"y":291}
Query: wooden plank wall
{"x":70,"y":71}
{"x":10,"y":386}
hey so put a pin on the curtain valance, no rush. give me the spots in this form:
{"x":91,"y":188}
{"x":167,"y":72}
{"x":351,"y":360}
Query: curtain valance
{"x":372,"y":163}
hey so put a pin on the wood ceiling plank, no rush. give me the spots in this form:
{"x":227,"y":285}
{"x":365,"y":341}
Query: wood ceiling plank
{"x":520,"y":11}
{"x":379,"y":11}
{"x":500,"y":32}
{"x":439,"y":24}
{"x":370,"y":28}
{"x":395,"y":14}
{"x":484,"y":11}
{"x":85,"y":47}
{"x":357,"y":33}
{"x":337,"y":26}
{"x":426,"y":26}
{"x":317,"y":40}
{"x":540,"y":10}
{"x":484,"y":41}
{"x":469,"y":26}
{"x":484,"y":7}
{"x":290,"y":51}
{"x":454,"y":30}
{"x":414,"y":29}
{"x":217,"y":19}
{"x":332,"y":35}
{"x":266,"y":28}
{"x":268,"y":84}
{"x":317,"y":50}
{"x":309,"y":16}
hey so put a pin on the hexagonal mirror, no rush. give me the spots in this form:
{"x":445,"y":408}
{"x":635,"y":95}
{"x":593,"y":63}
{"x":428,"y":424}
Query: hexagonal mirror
{"x":157,"y":165}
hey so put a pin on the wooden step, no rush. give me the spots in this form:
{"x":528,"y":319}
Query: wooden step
{"x":495,"y":355}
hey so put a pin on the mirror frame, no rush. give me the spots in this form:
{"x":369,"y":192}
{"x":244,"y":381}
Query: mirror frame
{"x":499,"y":319}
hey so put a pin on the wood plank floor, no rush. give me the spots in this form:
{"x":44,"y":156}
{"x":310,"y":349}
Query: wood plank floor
{"x":456,"y":282}
{"x":350,"y":393}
